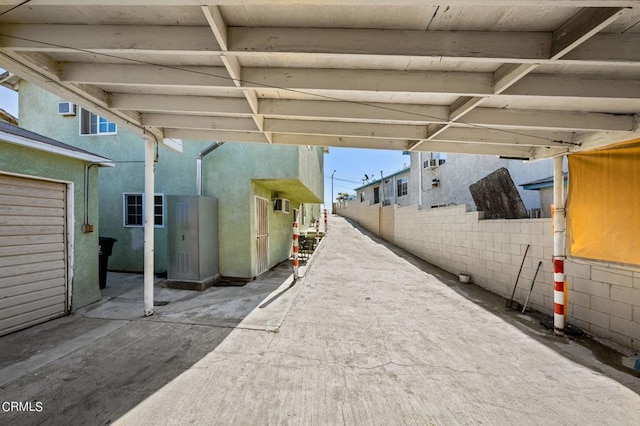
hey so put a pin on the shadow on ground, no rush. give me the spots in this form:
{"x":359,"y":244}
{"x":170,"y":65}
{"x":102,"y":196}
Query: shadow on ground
{"x":608,"y":359}
{"x":94,"y":366}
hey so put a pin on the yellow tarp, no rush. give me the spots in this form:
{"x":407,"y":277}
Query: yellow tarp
{"x":603,"y":206}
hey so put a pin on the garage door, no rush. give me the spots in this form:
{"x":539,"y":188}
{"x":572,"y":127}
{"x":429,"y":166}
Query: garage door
{"x":32,"y":252}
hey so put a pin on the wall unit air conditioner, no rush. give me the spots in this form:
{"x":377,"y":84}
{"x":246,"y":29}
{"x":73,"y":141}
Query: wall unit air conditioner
{"x":281,"y":205}
{"x":66,"y":108}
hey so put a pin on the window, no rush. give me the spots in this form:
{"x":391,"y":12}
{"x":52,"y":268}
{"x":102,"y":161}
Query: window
{"x":402,"y":186}
{"x":376,"y":195}
{"x":91,"y":124}
{"x":134,"y":210}
{"x":361,"y":197}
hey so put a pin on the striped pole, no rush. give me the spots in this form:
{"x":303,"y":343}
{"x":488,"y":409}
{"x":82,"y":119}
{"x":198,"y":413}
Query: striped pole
{"x":558,"y":246}
{"x":325,"y":221}
{"x":296,"y":233}
{"x":558,"y":295}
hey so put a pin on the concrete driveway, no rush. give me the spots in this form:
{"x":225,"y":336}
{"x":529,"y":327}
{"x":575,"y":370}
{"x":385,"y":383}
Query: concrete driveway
{"x":370,"y":335}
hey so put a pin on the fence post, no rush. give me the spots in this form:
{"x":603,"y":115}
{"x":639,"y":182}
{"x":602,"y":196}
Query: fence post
{"x":296,"y":233}
{"x":325,"y":221}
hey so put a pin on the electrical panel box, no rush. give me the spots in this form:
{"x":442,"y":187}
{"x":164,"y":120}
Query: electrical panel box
{"x":192,"y":240}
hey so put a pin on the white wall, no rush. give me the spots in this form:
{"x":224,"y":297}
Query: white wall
{"x":462,"y":170}
{"x":604,"y":300}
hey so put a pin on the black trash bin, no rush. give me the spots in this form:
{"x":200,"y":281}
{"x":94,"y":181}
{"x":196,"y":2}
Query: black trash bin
{"x":105,"y":250}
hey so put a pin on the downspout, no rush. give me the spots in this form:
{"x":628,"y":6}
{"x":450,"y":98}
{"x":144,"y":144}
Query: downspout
{"x":558,"y":245}
{"x":203,"y":153}
{"x":395,"y":190}
{"x":420,"y":180}
{"x":86,"y":227}
{"x":382,"y":188}
{"x":381,"y":204}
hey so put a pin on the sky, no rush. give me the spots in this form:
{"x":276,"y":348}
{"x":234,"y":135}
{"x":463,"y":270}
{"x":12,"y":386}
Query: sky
{"x":350,"y":164}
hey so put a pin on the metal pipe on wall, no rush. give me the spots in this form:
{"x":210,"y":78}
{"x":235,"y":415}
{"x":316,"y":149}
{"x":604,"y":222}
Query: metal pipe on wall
{"x":203,"y":153}
{"x":420,"y":167}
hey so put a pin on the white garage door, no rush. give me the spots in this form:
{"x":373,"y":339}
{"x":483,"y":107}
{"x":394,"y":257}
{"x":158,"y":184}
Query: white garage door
{"x":33,"y":266}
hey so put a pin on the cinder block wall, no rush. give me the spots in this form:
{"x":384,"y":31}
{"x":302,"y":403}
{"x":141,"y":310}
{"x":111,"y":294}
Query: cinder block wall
{"x":604,"y":299}
{"x":366,"y":215}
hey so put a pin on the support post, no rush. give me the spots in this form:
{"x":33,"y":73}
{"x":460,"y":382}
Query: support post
{"x":149,"y":223}
{"x":325,"y":221}
{"x":318,"y":230}
{"x":296,"y":233}
{"x":558,"y":246}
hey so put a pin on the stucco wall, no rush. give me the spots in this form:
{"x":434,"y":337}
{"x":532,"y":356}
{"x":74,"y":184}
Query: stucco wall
{"x":234,"y":174}
{"x":604,"y":299}
{"x":311,"y":168}
{"x":39,"y":164}
{"x":462,"y":170}
{"x":227,"y":175}
{"x":39,"y":113}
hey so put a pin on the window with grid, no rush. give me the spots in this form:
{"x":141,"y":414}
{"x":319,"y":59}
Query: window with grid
{"x":402,"y":186}
{"x":92,"y":124}
{"x":134,"y":210}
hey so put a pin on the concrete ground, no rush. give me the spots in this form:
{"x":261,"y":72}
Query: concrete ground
{"x":370,"y":335}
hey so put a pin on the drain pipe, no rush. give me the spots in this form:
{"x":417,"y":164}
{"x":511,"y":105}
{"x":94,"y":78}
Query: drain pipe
{"x":420,"y":180}
{"x":86,"y":226}
{"x":203,"y":153}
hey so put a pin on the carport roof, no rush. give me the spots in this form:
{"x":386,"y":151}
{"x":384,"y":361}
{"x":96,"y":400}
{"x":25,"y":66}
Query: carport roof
{"x":501,"y":77}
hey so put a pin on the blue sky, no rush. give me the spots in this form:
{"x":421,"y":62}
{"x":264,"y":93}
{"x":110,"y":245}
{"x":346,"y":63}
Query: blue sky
{"x":8,"y":100}
{"x":350,"y":164}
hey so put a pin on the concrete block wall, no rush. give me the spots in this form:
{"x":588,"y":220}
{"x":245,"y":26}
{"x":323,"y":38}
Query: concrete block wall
{"x":387,"y":222}
{"x":366,"y":215}
{"x":604,"y":299}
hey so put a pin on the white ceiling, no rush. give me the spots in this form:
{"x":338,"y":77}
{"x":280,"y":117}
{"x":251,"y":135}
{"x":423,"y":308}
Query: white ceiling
{"x":496,"y":77}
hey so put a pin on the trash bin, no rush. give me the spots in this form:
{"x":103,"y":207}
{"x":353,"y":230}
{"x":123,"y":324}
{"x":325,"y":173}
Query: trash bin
{"x":104,"y":251}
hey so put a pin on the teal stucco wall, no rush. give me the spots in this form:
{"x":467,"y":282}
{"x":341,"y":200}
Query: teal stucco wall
{"x":233,"y":173}
{"x":38,"y":164}
{"x":175,"y":173}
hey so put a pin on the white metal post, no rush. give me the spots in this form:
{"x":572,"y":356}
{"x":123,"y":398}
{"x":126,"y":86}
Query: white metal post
{"x":558,"y":245}
{"x":149,"y":223}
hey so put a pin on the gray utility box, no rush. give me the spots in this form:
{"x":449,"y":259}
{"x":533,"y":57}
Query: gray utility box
{"x":192,"y":225}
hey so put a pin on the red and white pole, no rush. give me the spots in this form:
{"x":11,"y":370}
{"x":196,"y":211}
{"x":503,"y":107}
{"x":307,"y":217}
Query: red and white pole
{"x":325,"y":221}
{"x":296,"y":233}
{"x":558,"y":246}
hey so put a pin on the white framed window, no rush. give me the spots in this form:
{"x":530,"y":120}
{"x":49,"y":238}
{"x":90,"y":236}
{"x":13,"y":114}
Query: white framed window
{"x":361,"y":197}
{"x":92,"y":124}
{"x":402,"y":186}
{"x":133,"y":211}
